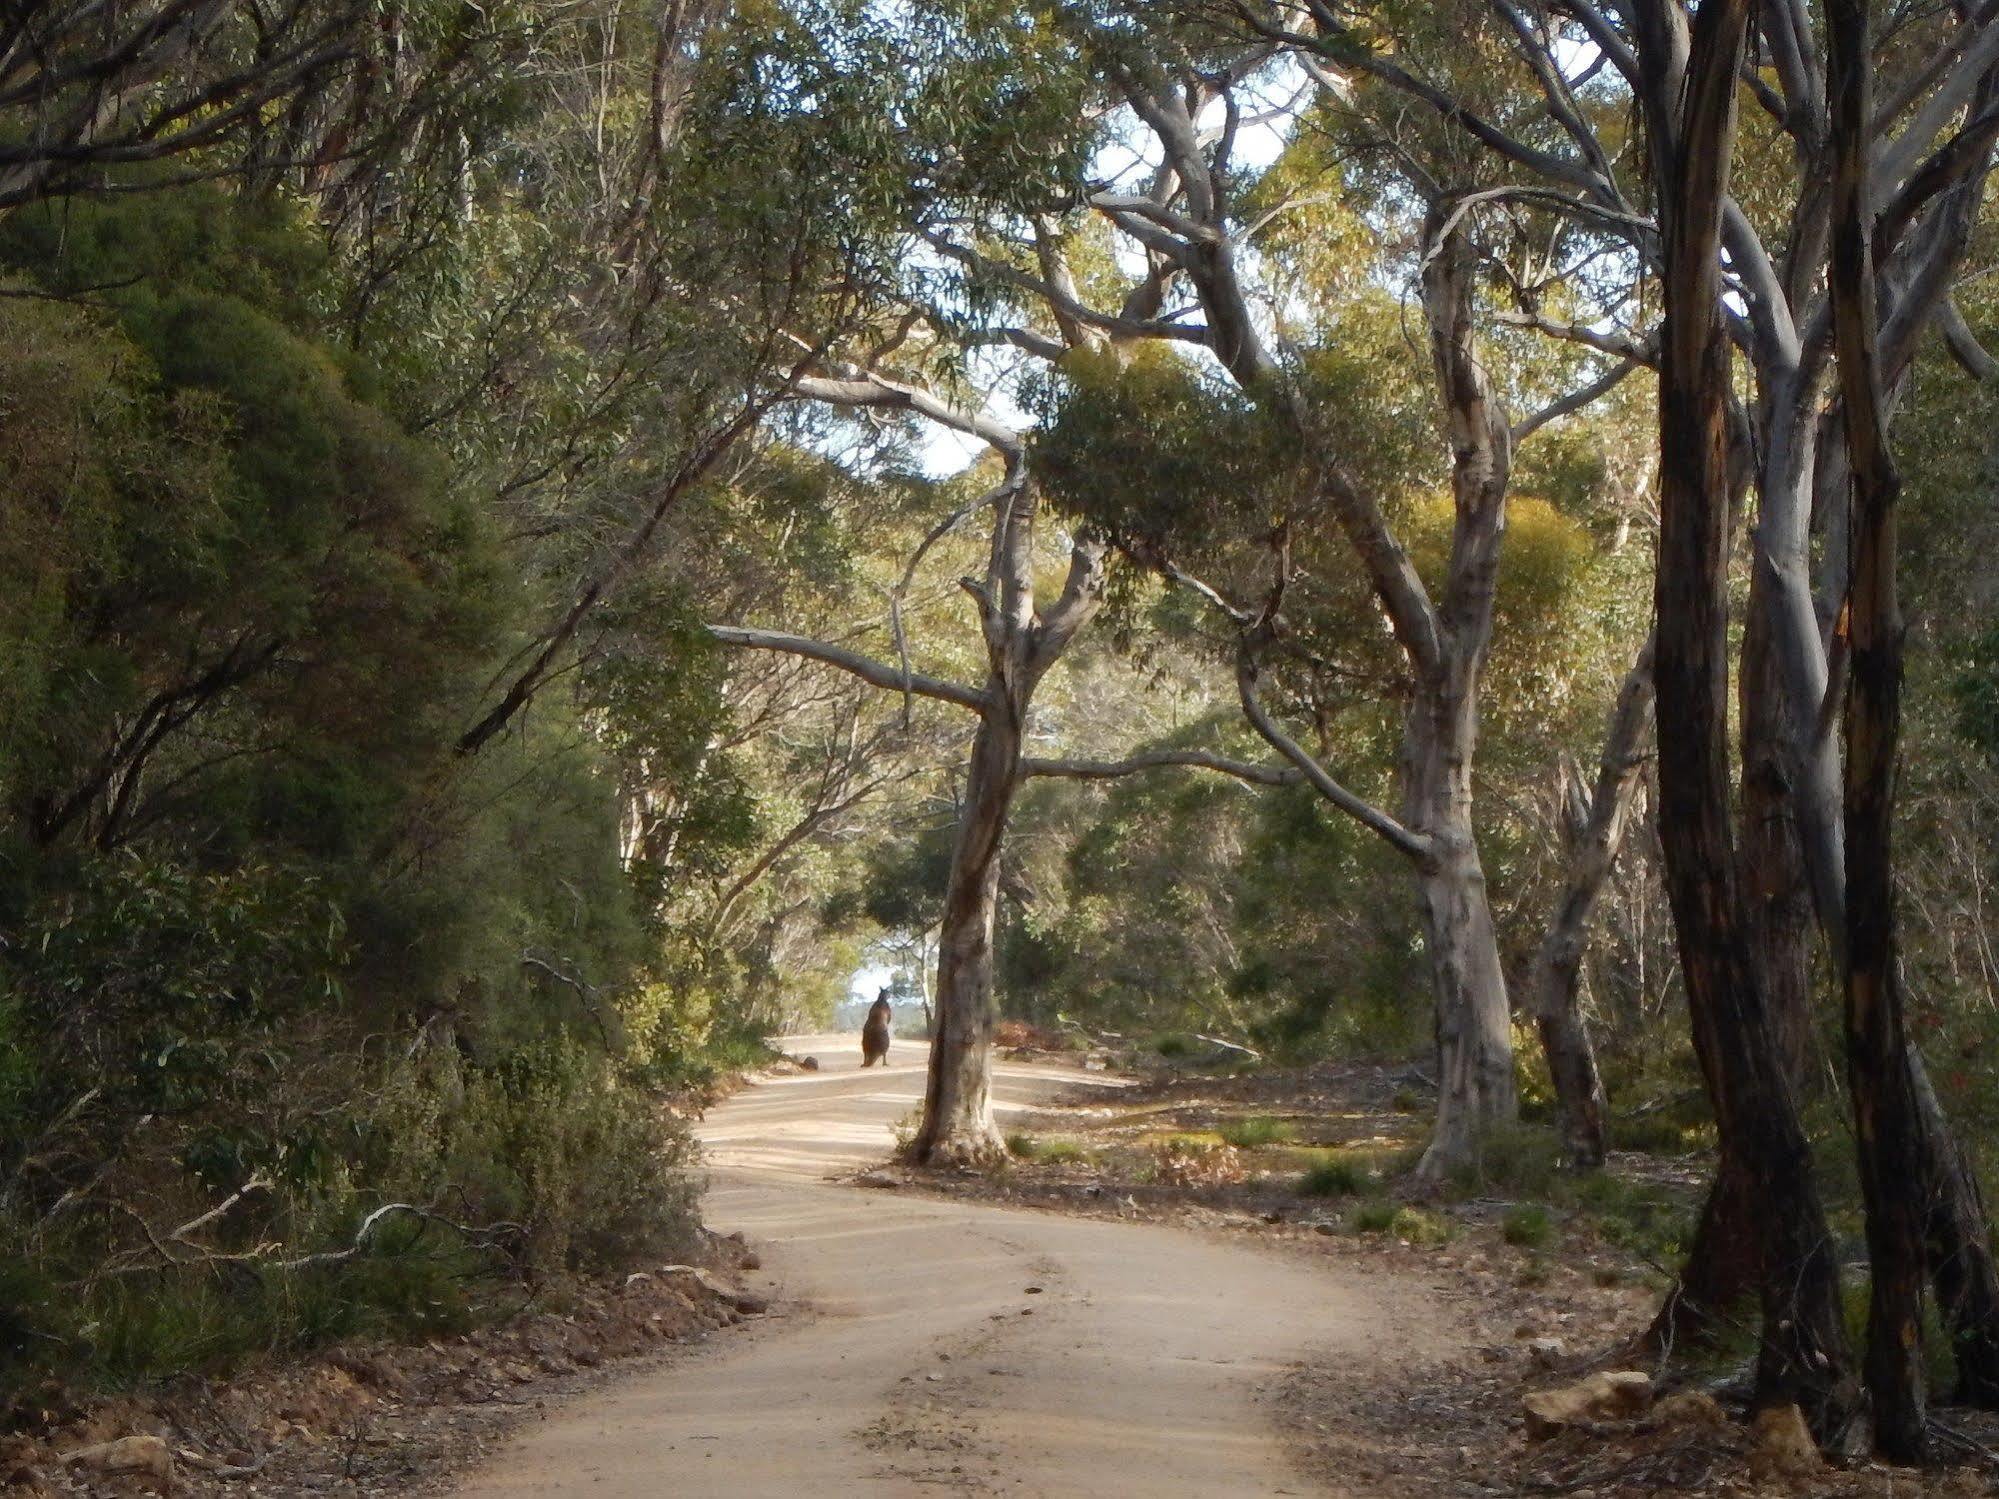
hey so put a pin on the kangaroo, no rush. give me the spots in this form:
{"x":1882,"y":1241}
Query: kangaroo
{"x":874,"y":1034}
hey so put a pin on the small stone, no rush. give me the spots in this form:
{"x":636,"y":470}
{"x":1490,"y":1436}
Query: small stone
{"x":1033,"y":1291}
{"x":810,"y":1064}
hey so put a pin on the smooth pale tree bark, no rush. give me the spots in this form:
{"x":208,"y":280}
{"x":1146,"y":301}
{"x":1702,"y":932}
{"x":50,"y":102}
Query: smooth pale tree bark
{"x":1931,"y":140}
{"x":1021,"y":645}
{"x":1888,"y":1125}
{"x":1193,"y":237}
{"x":1475,"y":1083}
{"x":1446,"y":647}
{"x":1689,"y":99}
{"x":1553,"y":983}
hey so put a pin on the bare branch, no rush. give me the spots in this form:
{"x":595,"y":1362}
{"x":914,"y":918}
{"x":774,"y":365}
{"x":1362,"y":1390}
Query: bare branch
{"x":875,"y":673}
{"x":869,"y":389}
{"x":1575,"y":400}
{"x":1964,"y":345}
{"x":1105,"y":770}
{"x":1411,"y":844}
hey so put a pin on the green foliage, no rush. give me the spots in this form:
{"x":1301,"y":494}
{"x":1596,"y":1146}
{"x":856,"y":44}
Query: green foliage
{"x":1338,"y":1175}
{"x":1374,"y":1217}
{"x":1410,"y":1225}
{"x":1646,"y":1219}
{"x":1028,"y":1147}
{"x":168,"y":993}
{"x":1184,"y":906}
{"x":1527,"y":1225}
{"x":243,"y":614}
{"x":547,"y":1136}
{"x":1151,"y":451}
{"x":1258,"y":1129}
{"x":1524,"y":1159}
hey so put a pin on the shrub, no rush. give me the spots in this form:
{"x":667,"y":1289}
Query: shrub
{"x":549,"y":1136}
{"x":1051,"y":1152}
{"x":1655,"y":1133}
{"x":1259,"y":1129}
{"x":1374,"y":1217}
{"x":1411,"y":1225}
{"x":1527,"y":1226}
{"x":1338,"y":1175}
{"x":1520,"y":1159}
{"x":1642,"y":1218}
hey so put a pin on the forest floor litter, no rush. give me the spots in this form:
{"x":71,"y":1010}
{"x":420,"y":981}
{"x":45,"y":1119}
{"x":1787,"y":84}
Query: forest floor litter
{"x":383,"y":1419}
{"x":1549,"y":1302}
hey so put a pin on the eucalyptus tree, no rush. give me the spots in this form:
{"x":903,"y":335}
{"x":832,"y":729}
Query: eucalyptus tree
{"x":91,"y":91}
{"x":1887,"y":1115}
{"x":1929,"y":141}
{"x":1177,"y":257}
{"x":1690,"y":100}
{"x":1021,"y":642}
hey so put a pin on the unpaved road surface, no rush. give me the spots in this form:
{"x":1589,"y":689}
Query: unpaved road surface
{"x":930,"y":1346}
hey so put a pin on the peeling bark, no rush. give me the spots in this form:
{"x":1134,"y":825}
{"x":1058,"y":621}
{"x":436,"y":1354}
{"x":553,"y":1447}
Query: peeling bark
{"x":1887,"y":1123}
{"x":1691,"y":118}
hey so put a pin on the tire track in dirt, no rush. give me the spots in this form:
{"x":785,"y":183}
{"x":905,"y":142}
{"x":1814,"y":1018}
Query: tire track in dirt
{"x":911,"y":1355}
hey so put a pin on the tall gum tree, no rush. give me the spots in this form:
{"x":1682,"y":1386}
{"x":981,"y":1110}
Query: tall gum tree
{"x":1689,"y":101}
{"x":1930,"y":140}
{"x":1021,"y":643}
{"x":1198,"y":244}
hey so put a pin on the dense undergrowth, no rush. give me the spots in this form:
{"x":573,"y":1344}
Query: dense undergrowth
{"x":273,"y":957}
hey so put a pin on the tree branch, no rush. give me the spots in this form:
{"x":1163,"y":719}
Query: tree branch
{"x":1105,"y":770}
{"x":1411,"y":844}
{"x":875,"y":673}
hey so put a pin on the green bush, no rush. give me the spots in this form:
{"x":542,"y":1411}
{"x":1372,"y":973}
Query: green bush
{"x":1051,"y":1152}
{"x":1645,"y":1219}
{"x":1338,"y":1175}
{"x":1520,"y":1160}
{"x":1411,"y":1225}
{"x":1258,"y":1129}
{"x":1527,"y":1226}
{"x":548,"y":1136}
{"x":1373,"y":1217}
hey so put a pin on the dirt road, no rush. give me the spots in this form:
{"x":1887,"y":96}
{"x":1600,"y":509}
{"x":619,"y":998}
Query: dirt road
{"x":929,"y":1345}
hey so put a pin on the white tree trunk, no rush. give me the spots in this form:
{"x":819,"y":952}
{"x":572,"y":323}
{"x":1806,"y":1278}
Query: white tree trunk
{"x":958,"y":1126}
{"x":1021,"y":644}
{"x":1475,"y":1084}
